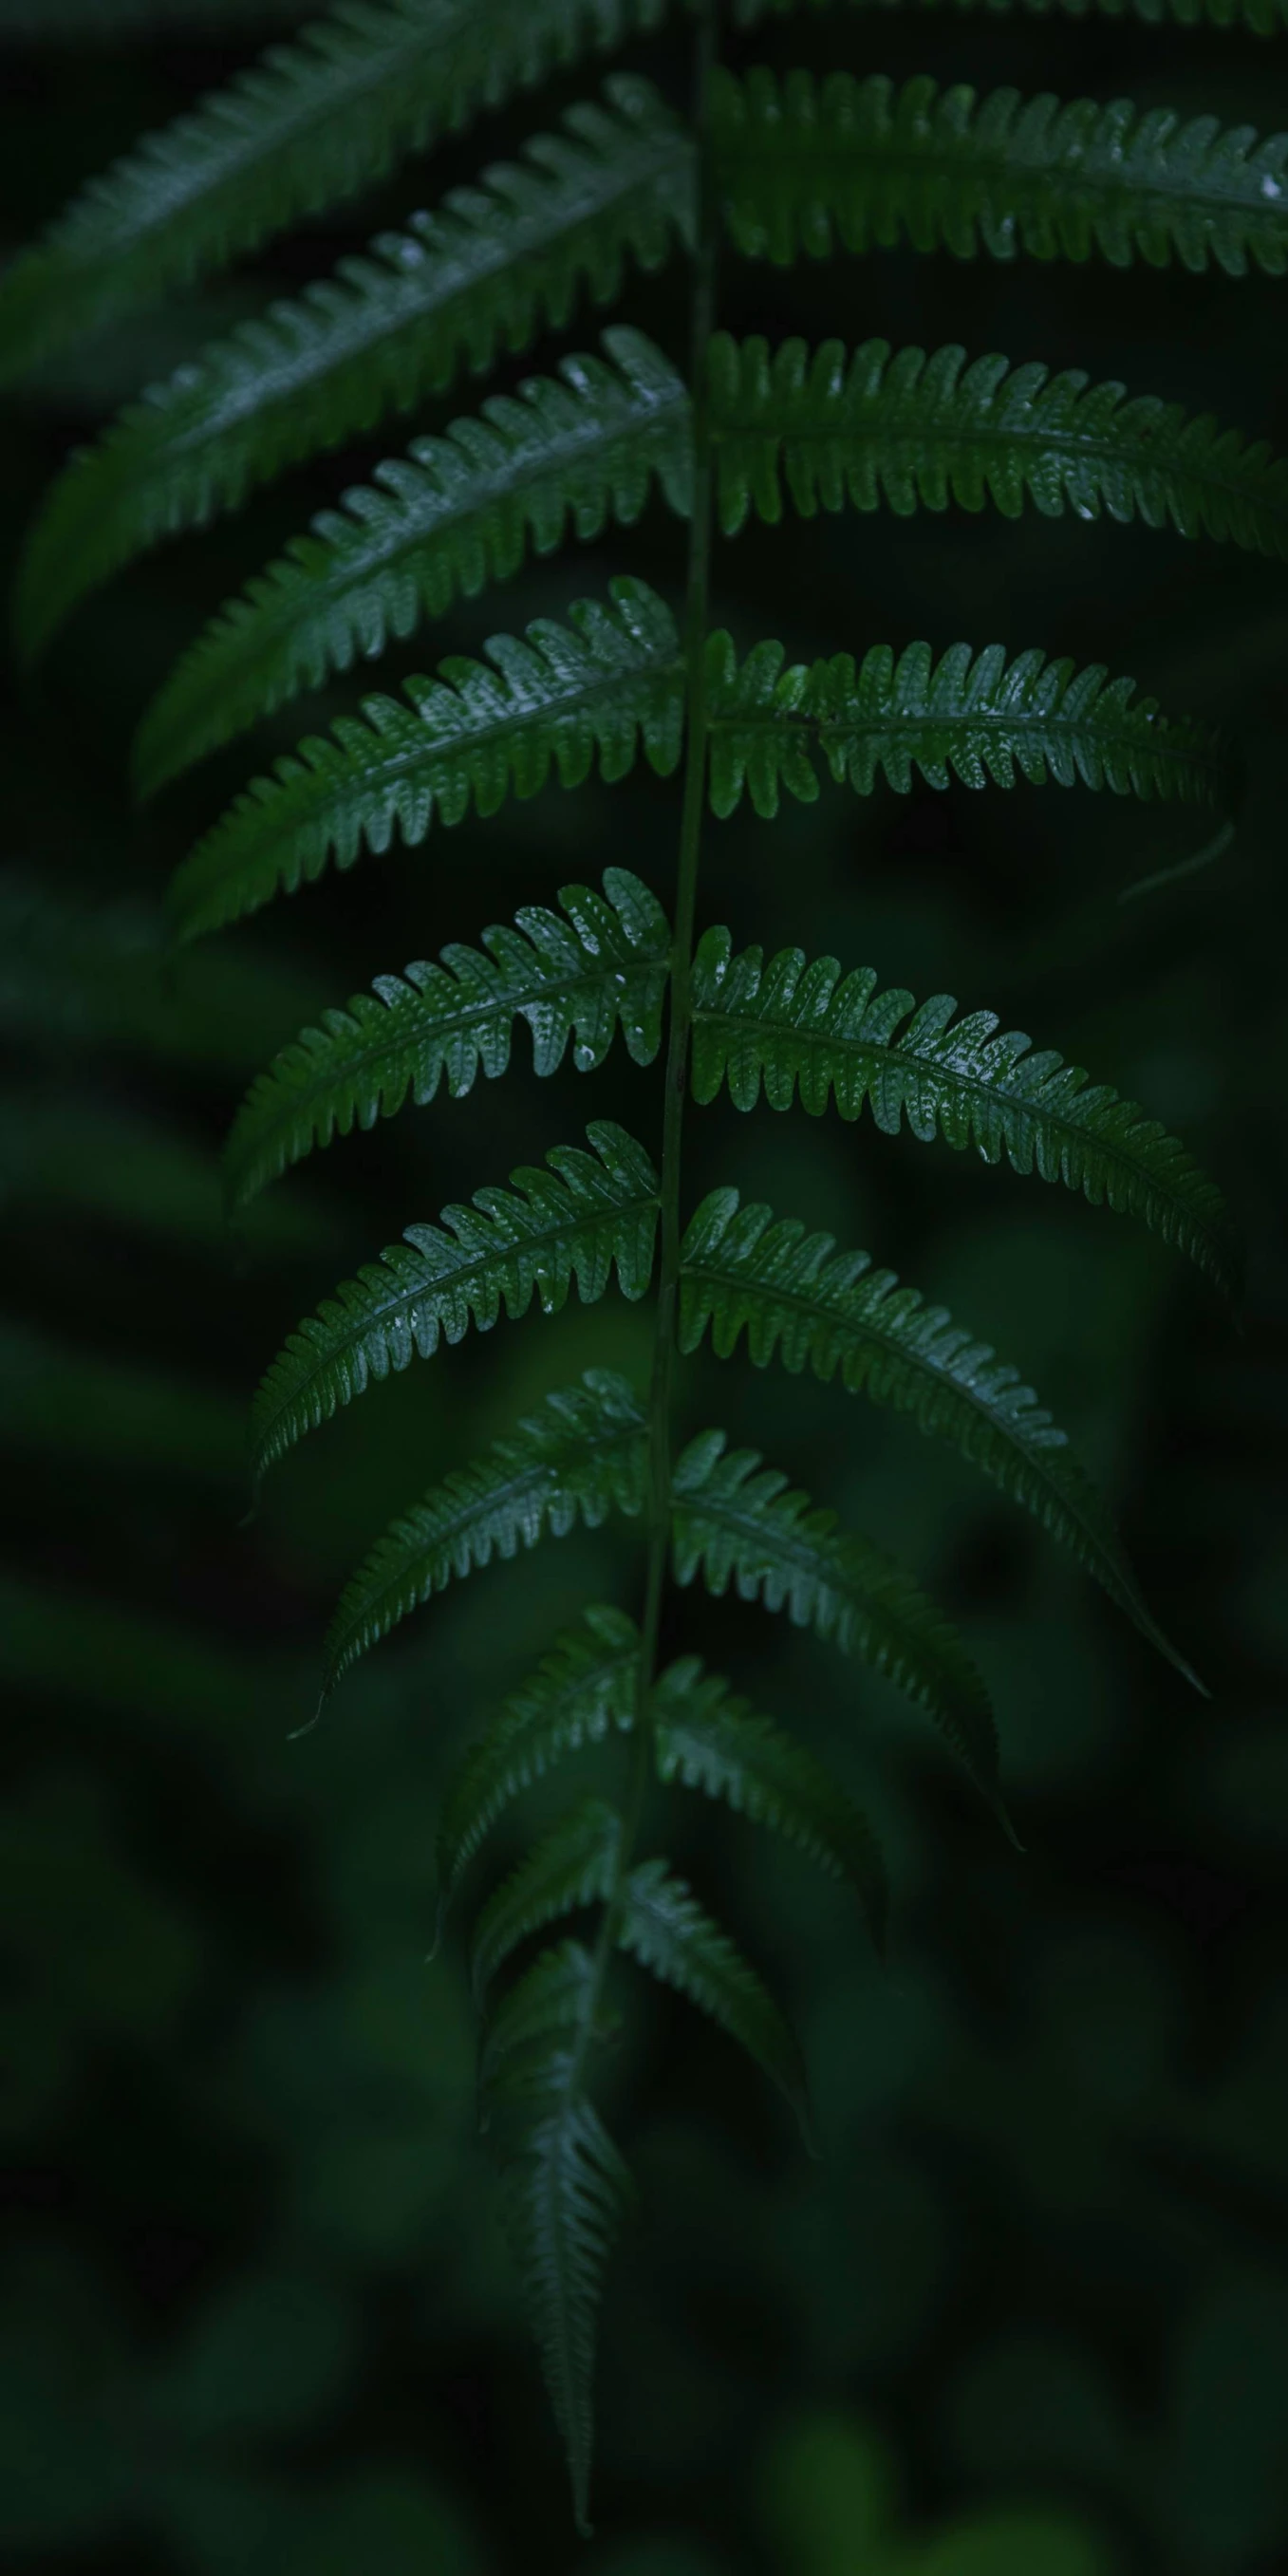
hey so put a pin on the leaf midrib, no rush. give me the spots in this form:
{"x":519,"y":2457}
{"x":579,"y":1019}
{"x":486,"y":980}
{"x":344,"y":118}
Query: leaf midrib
{"x":1164,"y":744}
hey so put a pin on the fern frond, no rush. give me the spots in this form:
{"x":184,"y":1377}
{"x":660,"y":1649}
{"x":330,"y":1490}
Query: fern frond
{"x":829,"y":431}
{"x":660,"y":1922}
{"x":575,"y":978}
{"x":795,"y":1296}
{"x":310,"y":125}
{"x":575,"y":1864}
{"x":583,"y":1690}
{"x":496,"y":265}
{"x":553,"y":1998}
{"x":454,"y":516}
{"x":793,"y":1027}
{"x":1260,"y":17}
{"x":567,"y":2191}
{"x":582,"y":1456}
{"x":709,"y":1740}
{"x":972,"y":715}
{"x":735,"y":1521}
{"x":804,"y":164}
{"x":610,"y":679}
{"x":574,"y":1223}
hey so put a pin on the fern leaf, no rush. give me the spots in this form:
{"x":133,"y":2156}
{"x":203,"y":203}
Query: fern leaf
{"x":496,"y":265}
{"x":454,"y":516}
{"x":795,"y":1296}
{"x":477,"y":734}
{"x":309,"y":125}
{"x":567,"y":2191}
{"x":575,"y":977}
{"x":809,"y":1028}
{"x":803,"y":164}
{"x":575,"y":1864}
{"x":973,"y":716}
{"x":554,"y":1998}
{"x":910,"y":431}
{"x":582,"y":1456}
{"x":1261,"y":17}
{"x":584,"y":1689}
{"x":577,"y":1222}
{"x":734,"y":1521}
{"x":662,"y":1925}
{"x":707,"y":1739}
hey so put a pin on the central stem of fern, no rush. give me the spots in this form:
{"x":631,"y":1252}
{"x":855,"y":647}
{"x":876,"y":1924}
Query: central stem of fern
{"x":697,"y":618}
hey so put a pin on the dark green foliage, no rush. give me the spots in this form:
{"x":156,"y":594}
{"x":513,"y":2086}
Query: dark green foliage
{"x":739,"y":1523}
{"x":476,"y":735}
{"x":782,"y":164}
{"x":586,"y":1688}
{"x":827,"y":430}
{"x":798,"y":1299}
{"x":709,"y":1739}
{"x":980,"y":717}
{"x":793,"y":1028}
{"x":574,"y":980}
{"x":662,"y":1925}
{"x":454,"y":516}
{"x":805,"y":165}
{"x":585,"y":1217}
{"x":312,"y":124}
{"x":450,"y":294}
{"x":580,"y":1457}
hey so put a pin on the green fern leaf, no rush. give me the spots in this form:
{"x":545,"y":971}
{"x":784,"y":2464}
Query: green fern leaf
{"x":911,"y":431}
{"x":475,"y":735}
{"x":310,"y":125}
{"x":575,"y":1864}
{"x":795,"y":1296}
{"x":809,"y":1028}
{"x":576,"y":978}
{"x":495,"y":266}
{"x":973,"y":716}
{"x":734,"y":1521}
{"x":583,"y":1690}
{"x":567,"y":2191}
{"x":803,"y":164}
{"x":554,"y":1998}
{"x":662,"y":1925}
{"x":577,"y":1222}
{"x":582,"y":1456}
{"x":454,"y":516}
{"x":709,"y":1740}
{"x":1261,"y":17}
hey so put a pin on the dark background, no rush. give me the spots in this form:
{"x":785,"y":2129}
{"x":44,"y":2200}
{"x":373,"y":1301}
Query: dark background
{"x":1030,"y":2315}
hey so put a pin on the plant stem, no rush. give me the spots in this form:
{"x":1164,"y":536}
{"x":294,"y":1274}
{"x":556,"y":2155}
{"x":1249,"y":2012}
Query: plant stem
{"x":697,"y":604}
{"x":696,"y":621}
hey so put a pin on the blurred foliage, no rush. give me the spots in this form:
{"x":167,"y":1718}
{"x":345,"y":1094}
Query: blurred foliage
{"x":1029,"y":2317}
